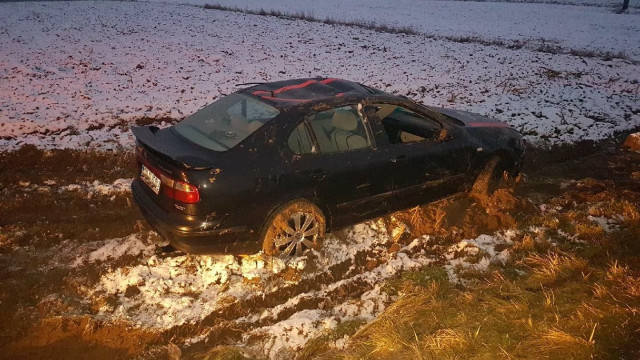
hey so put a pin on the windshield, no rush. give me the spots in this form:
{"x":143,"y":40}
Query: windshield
{"x":226,"y":122}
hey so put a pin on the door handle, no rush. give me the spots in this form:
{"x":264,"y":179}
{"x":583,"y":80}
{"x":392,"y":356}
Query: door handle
{"x":318,"y":174}
{"x":399,"y":158}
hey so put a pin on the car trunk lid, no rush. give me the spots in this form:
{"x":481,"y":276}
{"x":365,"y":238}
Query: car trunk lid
{"x":165,"y":162}
{"x":166,"y":144}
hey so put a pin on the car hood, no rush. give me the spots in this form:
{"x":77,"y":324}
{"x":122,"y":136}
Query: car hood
{"x":167,"y":143}
{"x":470,"y":119}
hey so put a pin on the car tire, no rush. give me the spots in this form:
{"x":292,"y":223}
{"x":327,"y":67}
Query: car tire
{"x":490,"y":179}
{"x":293,"y":228}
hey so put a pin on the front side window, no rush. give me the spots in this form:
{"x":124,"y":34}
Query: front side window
{"x":405,"y":126}
{"x":339,"y":130}
{"x":225,"y":123}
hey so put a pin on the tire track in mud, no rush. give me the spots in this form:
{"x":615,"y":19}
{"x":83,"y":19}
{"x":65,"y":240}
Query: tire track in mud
{"x":309,"y":293}
{"x":337,"y":279}
{"x":274,"y":290}
{"x":238,"y":323}
{"x":342,"y":284}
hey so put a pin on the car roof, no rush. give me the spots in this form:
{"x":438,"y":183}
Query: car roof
{"x":289,"y":93}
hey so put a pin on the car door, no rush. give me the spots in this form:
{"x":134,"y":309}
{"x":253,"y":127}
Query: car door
{"x":430,"y":159}
{"x":334,"y":152}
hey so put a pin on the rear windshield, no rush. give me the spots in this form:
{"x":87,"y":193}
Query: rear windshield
{"x":226,"y":122}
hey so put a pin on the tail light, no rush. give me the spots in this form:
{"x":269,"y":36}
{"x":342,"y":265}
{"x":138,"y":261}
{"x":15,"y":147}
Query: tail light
{"x":179,"y":190}
{"x":174,"y":189}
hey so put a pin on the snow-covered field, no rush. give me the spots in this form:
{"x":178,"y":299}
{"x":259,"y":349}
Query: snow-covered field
{"x":76,"y":74}
{"x":565,"y":27}
{"x":615,"y":4}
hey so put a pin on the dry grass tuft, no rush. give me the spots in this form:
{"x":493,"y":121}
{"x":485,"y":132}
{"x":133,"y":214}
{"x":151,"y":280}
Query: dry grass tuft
{"x":617,"y":272}
{"x":589,"y":232}
{"x":223,"y":353}
{"x":560,"y":343}
{"x":600,"y":291}
{"x":399,"y":328}
{"x":322,"y":346}
{"x":526,"y":245}
{"x":632,"y":286}
{"x":447,"y":340}
{"x":624,"y":279}
{"x":549,"y":298}
{"x":553,"y":267}
{"x":306,"y":16}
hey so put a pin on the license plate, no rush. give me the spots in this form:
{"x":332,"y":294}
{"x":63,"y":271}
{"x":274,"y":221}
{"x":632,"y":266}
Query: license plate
{"x":150,"y":179}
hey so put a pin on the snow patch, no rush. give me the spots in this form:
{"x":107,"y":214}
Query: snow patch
{"x":115,"y":248}
{"x":608,"y":225}
{"x":98,"y":188}
{"x":477,"y":254}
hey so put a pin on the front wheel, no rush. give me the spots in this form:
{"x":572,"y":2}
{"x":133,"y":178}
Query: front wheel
{"x":293,"y":228}
{"x":492,"y":177}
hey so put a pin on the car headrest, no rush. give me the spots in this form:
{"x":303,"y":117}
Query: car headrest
{"x":356,"y":142}
{"x":344,"y":120}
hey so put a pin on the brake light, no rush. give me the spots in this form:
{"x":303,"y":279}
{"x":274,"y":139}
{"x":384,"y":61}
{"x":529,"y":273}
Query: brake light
{"x":179,"y":190}
{"x":186,"y":193}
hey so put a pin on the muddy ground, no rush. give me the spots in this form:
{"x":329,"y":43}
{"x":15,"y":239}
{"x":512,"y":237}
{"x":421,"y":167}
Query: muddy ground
{"x":46,"y":311}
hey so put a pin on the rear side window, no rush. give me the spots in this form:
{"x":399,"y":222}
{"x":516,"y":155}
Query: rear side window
{"x":225,"y":123}
{"x":339,"y":130}
{"x":299,"y":141}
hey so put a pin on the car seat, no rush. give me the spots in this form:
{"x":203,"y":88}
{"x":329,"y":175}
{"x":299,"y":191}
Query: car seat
{"x":323,"y":129}
{"x":346,"y":136}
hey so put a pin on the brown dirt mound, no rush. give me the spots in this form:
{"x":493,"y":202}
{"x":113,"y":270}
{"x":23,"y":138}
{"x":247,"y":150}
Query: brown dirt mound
{"x":464,"y":216}
{"x":80,"y":338}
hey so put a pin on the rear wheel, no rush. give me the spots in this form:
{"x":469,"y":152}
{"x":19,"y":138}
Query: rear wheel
{"x":293,"y":228}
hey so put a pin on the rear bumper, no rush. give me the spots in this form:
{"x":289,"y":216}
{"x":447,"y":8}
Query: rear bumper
{"x":184,"y":232}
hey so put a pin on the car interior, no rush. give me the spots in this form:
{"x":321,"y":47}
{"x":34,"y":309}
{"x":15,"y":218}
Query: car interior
{"x":339,"y":130}
{"x":404,"y":126}
{"x":299,"y":141}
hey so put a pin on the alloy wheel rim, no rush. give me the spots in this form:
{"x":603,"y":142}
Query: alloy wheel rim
{"x":298,"y":233}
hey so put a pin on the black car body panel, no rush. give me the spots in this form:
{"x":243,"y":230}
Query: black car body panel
{"x":241,"y":186}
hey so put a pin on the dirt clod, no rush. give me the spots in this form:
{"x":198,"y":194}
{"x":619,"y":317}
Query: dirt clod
{"x":632,"y":142}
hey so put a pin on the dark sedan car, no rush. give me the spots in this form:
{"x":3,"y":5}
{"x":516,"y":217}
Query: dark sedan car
{"x":276,"y":165}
